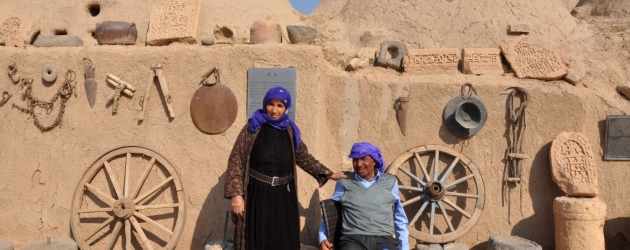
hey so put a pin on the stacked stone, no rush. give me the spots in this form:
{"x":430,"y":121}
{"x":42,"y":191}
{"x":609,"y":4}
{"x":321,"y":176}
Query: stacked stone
{"x":579,"y":216}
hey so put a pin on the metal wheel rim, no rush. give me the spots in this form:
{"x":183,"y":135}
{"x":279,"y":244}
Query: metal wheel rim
{"x":94,"y":169}
{"x":428,"y":203}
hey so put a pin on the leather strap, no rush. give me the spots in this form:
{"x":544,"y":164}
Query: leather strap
{"x":273,"y":181}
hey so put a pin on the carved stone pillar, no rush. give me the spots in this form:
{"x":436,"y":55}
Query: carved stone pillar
{"x":579,"y":223}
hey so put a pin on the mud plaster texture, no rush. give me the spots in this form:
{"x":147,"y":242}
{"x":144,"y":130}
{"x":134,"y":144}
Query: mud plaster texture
{"x":335,"y":108}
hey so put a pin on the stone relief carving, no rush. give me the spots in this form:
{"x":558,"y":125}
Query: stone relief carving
{"x":530,"y":61}
{"x":174,"y":22}
{"x":431,"y":61}
{"x":573,"y":166}
{"x":481,"y":61}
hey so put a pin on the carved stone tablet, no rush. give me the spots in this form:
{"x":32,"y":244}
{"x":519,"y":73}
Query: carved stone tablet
{"x":174,"y":22}
{"x":530,"y":61}
{"x":482,"y":61}
{"x":21,"y":23}
{"x":617,"y":137}
{"x":431,"y":61}
{"x":572,"y":165}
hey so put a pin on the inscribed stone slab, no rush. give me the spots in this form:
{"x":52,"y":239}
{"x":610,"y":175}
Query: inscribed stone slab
{"x":21,"y":23}
{"x":617,"y":137}
{"x":432,"y":61}
{"x":482,"y":61}
{"x":259,"y":80}
{"x":174,"y":22}
{"x":573,"y":166}
{"x":530,"y":61}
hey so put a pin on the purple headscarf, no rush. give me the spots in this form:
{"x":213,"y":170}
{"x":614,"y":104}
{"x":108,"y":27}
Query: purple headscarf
{"x":260,"y":116}
{"x":361,"y":149}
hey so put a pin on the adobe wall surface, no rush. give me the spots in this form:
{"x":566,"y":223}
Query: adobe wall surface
{"x":39,"y":172}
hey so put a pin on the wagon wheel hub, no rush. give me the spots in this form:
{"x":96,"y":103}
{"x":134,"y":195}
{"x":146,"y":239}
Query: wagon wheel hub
{"x":124,"y":208}
{"x":434,"y":190}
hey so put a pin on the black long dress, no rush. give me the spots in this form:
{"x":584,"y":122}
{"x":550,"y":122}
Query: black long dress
{"x":272,"y":212}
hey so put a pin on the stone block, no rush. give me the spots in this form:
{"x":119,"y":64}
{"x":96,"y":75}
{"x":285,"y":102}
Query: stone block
{"x":482,"y":61}
{"x":432,"y":61}
{"x":579,"y":223}
{"x":176,"y":21}
{"x":455,"y":246}
{"x":573,"y":165}
{"x":519,"y":28}
{"x":21,"y":25}
{"x":505,"y":242}
{"x":6,"y":245}
{"x":391,"y":54}
{"x":358,"y":63}
{"x":55,"y":244}
{"x":265,"y":31}
{"x":230,"y":34}
{"x":624,"y":89}
{"x":574,"y":75}
{"x":58,"y":41}
{"x":300,"y":34}
{"x":529,"y":61}
{"x":207,"y":41}
{"x":428,"y":247}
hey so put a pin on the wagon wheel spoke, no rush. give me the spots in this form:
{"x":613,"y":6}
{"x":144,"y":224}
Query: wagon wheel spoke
{"x":101,"y":226}
{"x":149,"y":220}
{"x":143,"y":177}
{"x":422,"y":166}
{"x":450,"y":168}
{"x":411,"y":188}
{"x":95,"y":210}
{"x":109,"y":171}
{"x":127,"y":167}
{"x":143,"y":237}
{"x":152,"y":190}
{"x":110,"y":244}
{"x":128,"y":235}
{"x":412,"y":176}
{"x":415,"y":199}
{"x":462,"y":195}
{"x":415,"y":218}
{"x":447,"y":201}
{"x":141,"y":207}
{"x":436,"y":165}
{"x":460,"y":180}
{"x":101,"y":195}
{"x":448,"y":220}
{"x":432,"y":218}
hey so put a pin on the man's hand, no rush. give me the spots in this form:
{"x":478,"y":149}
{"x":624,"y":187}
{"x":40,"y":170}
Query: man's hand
{"x":238,"y":205}
{"x":325,"y":245}
{"x":338,"y":176}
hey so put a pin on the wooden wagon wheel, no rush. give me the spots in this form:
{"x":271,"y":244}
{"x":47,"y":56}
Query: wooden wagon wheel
{"x":425,"y":187}
{"x":131,"y":187}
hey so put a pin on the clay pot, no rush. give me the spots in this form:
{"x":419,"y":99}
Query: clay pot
{"x":265,"y":31}
{"x":116,"y":33}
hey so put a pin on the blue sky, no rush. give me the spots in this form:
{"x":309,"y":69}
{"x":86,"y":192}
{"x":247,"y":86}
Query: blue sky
{"x":304,"y":6}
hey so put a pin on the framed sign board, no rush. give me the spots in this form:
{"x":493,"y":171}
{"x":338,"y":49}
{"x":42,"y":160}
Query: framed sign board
{"x":617,"y":138}
{"x":259,"y":80}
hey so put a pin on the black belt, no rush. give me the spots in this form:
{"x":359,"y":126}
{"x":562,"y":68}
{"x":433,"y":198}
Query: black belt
{"x":273,"y":181}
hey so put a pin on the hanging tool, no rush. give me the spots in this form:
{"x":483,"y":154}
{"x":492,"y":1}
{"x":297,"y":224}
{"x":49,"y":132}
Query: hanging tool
{"x":90,"y":83}
{"x":157,"y":72}
{"x":516,"y":135}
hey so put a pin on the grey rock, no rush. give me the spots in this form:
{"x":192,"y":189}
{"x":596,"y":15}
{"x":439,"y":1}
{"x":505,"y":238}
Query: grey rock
{"x":456,"y":246}
{"x":6,"y":245}
{"x":391,"y":54}
{"x":216,"y":245}
{"x":624,"y":89}
{"x":299,"y":34}
{"x":58,"y":41}
{"x":504,"y":242}
{"x":428,"y":247}
{"x":55,"y":244}
{"x":207,"y":41}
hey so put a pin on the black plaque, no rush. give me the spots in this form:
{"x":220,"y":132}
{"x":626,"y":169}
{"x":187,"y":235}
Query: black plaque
{"x":617,"y":137}
{"x":259,"y":80}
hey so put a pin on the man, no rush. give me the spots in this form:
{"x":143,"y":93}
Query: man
{"x":371,"y":211}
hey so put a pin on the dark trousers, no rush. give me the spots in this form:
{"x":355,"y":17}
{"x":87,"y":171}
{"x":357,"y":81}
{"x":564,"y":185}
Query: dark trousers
{"x":368,"y":242}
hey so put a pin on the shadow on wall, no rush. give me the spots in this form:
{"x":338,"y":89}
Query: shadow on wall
{"x":617,"y":233}
{"x":313,"y":218}
{"x":212,"y":217}
{"x":542,"y":190}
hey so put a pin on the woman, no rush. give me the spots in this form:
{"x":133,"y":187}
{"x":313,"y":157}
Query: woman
{"x":260,"y":178}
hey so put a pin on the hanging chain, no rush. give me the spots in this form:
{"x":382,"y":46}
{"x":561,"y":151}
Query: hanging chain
{"x":65,"y":92}
{"x":468,"y":95}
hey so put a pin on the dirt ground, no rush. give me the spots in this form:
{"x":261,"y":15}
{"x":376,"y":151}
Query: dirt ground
{"x":39,"y":172}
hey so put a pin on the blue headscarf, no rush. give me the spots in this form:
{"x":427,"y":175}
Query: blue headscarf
{"x":361,"y":149}
{"x":260,"y":116}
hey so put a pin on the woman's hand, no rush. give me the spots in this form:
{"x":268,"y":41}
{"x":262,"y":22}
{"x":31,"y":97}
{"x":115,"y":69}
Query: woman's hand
{"x":338,"y":176}
{"x":238,"y":205}
{"x":325,"y":245}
